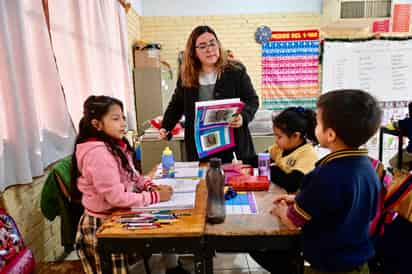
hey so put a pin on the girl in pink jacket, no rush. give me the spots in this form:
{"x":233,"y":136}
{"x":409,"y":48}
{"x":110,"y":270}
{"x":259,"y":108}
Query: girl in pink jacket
{"x":104,"y":177}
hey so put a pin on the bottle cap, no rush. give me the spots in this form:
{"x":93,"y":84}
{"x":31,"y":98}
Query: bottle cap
{"x":263,"y":156}
{"x":215,"y":162}
{"x":167,"y":151}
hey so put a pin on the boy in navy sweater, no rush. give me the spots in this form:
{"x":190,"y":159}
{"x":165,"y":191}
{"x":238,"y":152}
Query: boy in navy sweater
{"x":338,"y":199}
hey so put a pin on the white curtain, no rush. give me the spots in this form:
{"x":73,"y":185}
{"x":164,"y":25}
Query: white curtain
{"x":90,"y":42}
{"x":35,"y":128}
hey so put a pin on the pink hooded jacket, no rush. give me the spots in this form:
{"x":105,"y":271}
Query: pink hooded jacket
{"x":105,"y":185}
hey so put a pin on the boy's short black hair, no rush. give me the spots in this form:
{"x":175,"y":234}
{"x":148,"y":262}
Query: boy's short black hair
{"x":410,"y":109}
{"x":353,"y":114}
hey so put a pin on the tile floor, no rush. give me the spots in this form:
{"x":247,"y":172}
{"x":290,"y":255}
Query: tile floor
{"x":223,"y":263}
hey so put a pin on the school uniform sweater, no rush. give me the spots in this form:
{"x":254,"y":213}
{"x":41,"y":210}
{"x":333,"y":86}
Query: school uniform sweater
{"x":291,"y":166}
{"x":105,"y":185}
{"x":334,"y":207}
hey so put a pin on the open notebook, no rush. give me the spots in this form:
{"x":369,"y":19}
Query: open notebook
{"x":182,"y":170}
{"x":184,"y":195}
{"x":185,"y":200}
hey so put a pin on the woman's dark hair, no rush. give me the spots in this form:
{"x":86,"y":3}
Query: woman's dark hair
{"x":95,"y":107}
{"x":297,"y":119}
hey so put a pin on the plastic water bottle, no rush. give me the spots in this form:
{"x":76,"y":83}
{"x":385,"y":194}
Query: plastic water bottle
{"x":215,"y":181}
{"x":264,"y":164}
{"x":168,"y":163}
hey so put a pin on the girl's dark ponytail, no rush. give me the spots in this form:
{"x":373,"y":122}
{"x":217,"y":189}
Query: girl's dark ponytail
{"x":310,"y":116}
{"x":297,"y":119}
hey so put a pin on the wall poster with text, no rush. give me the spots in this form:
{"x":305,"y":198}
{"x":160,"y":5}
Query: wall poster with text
{"x":290,"y":70}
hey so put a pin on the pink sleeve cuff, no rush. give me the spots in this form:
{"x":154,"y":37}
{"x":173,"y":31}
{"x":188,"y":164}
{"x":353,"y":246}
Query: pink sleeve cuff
{"x":154,"y":197}
{"x":148,"y":184}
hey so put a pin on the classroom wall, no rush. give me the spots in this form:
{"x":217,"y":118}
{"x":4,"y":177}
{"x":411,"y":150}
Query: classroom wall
{"x":225,"y":7}
{"x":137,"y":5}
{"x":133,"y":31}
{"x":236,"y":32}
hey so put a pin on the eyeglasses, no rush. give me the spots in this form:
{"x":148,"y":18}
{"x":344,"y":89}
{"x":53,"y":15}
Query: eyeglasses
{"x":204,"y":46}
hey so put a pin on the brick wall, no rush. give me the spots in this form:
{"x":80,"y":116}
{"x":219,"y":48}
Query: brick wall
{"x":236,"y":32}
{"x":133,"y":31}
{"x":42,"y":236}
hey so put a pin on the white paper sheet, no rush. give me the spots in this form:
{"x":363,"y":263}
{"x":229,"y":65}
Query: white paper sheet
{"x":179,"y":185}
{"x":185,"y":200}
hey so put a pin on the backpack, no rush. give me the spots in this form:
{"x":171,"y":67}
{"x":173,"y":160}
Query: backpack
{"x":395,"y":199}
{"x":15,"y":257}
{"x":392,"y":235}
{"x":382,"y":215}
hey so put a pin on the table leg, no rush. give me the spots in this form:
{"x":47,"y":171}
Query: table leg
{"x":106,"y":262}
{"x":209,"y":264}
{"x":380,"y":144}
{"x":199,"y":263}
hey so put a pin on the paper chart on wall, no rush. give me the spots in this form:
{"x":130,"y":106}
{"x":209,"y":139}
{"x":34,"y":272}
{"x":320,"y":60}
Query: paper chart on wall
{"x":381,"y":67}
{"x":290,"y":69}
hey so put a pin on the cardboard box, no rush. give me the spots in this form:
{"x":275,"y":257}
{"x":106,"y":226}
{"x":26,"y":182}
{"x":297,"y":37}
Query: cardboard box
{"x":146,"y":57}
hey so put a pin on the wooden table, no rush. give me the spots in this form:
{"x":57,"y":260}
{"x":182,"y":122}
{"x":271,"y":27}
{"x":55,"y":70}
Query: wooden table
{"x":395,"y":132}
{"x":184,"y":236}
{"x":245,"y":233}
{"x":239,"y":233}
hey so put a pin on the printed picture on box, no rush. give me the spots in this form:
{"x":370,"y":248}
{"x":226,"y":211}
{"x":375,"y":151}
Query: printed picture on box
{"x":219,"y":115}
{"x":210,"y":140}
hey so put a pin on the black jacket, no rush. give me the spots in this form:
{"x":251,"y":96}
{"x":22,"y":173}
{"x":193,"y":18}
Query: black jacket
{"x":234,"y":82}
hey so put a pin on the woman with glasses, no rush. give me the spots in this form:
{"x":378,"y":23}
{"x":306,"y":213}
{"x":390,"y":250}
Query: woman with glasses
{"x":207,"y":74}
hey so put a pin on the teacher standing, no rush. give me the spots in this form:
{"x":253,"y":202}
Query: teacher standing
{"x":207,"y":74}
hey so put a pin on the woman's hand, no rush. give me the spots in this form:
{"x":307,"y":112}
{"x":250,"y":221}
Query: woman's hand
{"x":163,"y":134}
{"x":236,"y":121}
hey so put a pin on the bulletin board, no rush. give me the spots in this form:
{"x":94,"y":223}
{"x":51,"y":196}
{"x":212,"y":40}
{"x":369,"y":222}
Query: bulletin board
{"x":381,"y":67}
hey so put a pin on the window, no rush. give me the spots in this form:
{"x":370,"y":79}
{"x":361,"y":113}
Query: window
{"x":365,"y":9}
